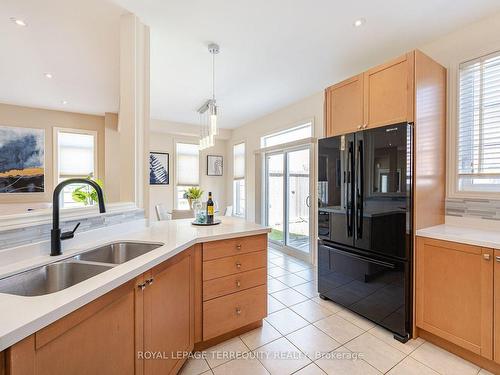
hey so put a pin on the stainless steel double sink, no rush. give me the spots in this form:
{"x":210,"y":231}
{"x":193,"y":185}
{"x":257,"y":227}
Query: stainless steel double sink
{"x":60,"y":275}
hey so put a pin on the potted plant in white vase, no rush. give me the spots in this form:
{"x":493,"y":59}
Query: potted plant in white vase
{"x":193,"y":194}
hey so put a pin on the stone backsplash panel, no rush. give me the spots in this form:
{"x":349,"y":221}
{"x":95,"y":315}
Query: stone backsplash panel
{"x":37,"y":233}
{"x":487,"y":209}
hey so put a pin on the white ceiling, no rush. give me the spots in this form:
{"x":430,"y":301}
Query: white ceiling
{"x":273,"y":52}
{"x":77,"y":41}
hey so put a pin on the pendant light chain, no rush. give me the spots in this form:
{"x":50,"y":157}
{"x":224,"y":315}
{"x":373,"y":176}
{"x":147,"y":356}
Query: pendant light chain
{"x":213,"y":77}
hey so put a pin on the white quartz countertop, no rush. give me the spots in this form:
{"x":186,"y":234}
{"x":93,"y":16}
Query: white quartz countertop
{"x":22,"y":316}
{"x":489,"y":237}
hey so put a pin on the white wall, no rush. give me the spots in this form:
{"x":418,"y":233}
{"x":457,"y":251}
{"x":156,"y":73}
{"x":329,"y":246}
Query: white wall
{"x":111,"y":157}
{"x":162,"y":138}
{"x":133,"y":116}
{"x":17,"y":116}
{"x":308,"y":109}
{"x":477,"y":39}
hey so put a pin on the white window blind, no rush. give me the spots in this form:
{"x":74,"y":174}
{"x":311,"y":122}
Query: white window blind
{"x":76,"y":158}
{"x":239,"y":161}
{"x":478,"y":140}
{"x":188,"y":167}
{"x":239,"y":180}
{"x":76,"y":154}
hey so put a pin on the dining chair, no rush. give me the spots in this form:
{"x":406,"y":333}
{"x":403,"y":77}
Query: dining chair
{"x":182,"y":214}
{"x":161,"y":212}
{"x":229,"y":211}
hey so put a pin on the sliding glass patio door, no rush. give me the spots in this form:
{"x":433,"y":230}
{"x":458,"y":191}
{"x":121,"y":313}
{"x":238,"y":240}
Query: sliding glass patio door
{"x":288,"y":200}
{"x":275,"y":210}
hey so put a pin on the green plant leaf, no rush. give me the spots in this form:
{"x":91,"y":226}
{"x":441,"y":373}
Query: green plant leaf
{"x":194,"y":192}
{"x":79,"y":196}
{"x":86,"y":194}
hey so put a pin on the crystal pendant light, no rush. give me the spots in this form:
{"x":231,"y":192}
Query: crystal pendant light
{"x":208,"y":111}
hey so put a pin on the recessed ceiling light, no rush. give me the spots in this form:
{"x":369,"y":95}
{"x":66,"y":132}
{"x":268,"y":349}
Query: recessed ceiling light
{"x":64,"y":102}
{"x":359,"y":22}
{"x":18,"y":21}
{"x":48,"y":75}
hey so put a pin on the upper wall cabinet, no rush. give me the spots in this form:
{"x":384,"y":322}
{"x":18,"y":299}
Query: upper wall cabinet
{"x":344,"y":106}
{"x":389,"y":92}
{"x":381,"y":96}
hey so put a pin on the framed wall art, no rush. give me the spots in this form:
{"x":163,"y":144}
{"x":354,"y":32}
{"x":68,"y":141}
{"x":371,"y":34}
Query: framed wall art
{"x":159,"y":168}
{"x":22,"y":160}
{"x":214,"y":165}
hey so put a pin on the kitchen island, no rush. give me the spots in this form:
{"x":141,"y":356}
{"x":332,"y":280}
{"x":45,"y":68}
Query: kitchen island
{"x":201,"y":286}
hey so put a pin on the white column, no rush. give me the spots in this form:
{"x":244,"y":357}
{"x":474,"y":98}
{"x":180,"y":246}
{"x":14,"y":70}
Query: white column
{"x":111,"y":158}
{"x":133,"y":122}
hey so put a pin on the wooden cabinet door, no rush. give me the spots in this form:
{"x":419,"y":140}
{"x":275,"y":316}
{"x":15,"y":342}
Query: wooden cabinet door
{"x":496,"y":308}
{"x":2,"y":363}
{"x":344,"y":107}
{"x":98,"y":338}
{"x":454,"y":293}
{"x":389,"y":92}
{"x":169,"y":313}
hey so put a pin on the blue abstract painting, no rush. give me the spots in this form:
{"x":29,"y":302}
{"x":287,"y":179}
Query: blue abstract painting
{"x":22,"y":155}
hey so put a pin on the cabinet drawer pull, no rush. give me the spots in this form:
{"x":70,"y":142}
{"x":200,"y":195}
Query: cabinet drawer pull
{"x":142,"y":286}
{"x":497,"y":258}
{"x":238,"y":311}
{"x":486,"y":256}
{"x":238,"y":283}
{"x":238,"y":247}
{"x":359,"y":126}
{"x":149,"y":281}
{"x":238,"y":265}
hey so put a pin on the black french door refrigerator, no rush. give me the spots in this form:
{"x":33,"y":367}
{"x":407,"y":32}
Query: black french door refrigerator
{"x":365,"y":224}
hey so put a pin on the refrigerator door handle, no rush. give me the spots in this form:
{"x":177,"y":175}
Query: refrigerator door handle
{"x":360,"y":257}
{"x":350,"y":189}
{"x":359,"y":191}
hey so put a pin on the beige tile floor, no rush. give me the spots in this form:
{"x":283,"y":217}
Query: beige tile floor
{"x":305,"y":335}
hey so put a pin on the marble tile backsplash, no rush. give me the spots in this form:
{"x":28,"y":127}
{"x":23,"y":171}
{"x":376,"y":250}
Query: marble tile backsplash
{"x":37,"y":233}
{"x":479,"y":208}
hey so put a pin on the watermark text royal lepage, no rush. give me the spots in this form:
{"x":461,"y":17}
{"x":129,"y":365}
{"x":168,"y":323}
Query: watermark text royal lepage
{"x":229,"y":355}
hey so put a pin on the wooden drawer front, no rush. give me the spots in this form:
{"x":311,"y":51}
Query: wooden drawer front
{"x":233,"y":283}
{"x":234,"y":246}
{"x":225,"y":314}
{"x":232,"y":265}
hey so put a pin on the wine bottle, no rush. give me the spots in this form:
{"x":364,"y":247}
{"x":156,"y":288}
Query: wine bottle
{"x":210,"y":209}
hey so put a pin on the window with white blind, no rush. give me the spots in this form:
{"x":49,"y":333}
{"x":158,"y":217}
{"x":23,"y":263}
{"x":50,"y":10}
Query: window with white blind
{"x":239,"y":180}
{"x":76,"y":157}
{"x":478,"y":141}
{"x":187,"y":171}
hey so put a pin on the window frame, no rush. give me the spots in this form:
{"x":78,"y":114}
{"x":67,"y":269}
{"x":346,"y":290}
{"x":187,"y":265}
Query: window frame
{"x":55,"y":151}
{"x":287,"y":128}
{"x":453,"y":106}
{"x":244,"y":179}
{"x":176,"y":185}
